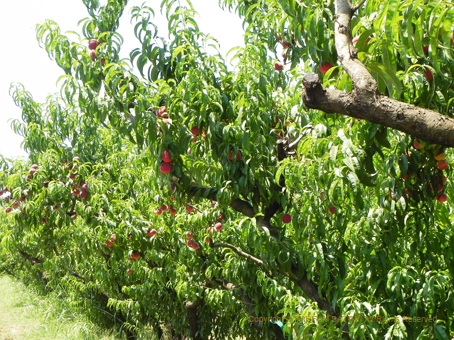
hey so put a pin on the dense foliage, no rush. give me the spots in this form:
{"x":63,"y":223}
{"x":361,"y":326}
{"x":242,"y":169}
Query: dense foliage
{"x":332,"y":226}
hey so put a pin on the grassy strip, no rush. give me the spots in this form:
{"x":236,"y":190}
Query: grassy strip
{"x":25,"y":314}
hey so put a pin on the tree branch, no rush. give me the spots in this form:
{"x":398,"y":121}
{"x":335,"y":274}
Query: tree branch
{"x":76,"y":274}
{"x":193,"y":319}
{"x":365,"y":102}
{"x":421,"y":123}
{"x":33,"y":260}
{"x":237,"y":251}
{"x":355,"y":8}
{"x":312,"y":291}
{"x":293,"y":144}
{"x":249,"y":305}
{"x":237,"y":204}
{"x":362,"y":79}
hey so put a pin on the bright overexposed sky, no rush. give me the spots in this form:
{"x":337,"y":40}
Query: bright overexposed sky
{"x":23,"y":61}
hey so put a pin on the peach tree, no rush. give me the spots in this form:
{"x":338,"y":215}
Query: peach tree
{"x":305,"y":193}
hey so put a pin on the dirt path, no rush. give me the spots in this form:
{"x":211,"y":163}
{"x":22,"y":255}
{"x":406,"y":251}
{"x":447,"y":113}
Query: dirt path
{"x":16,"y":319}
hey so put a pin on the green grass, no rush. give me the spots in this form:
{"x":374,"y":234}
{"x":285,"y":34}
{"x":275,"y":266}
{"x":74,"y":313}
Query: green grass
{"x":25,"y":314}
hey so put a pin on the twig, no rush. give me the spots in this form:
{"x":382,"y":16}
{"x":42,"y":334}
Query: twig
{"x":237,"y":251}
{"x":355,"y":8}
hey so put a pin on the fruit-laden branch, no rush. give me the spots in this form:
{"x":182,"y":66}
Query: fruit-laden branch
{"x":237,"y":251}
{"x":365,"y":102}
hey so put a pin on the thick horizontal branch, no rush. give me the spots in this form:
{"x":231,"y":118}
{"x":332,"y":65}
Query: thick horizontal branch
{"x":421,"y":123}
{"x":211,"y":193}
{"x":364,"y":101}
{"x":237,"y":251}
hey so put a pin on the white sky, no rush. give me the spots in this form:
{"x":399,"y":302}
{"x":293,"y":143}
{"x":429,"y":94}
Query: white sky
{"x":25,"y":62}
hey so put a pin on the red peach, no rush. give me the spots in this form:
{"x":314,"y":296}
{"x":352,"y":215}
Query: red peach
{"x":92,"y":44}
{"x":325,"y":67}
{"x":218,"y":226}
{"x":286,"y":218}
{"x":238,"y":155}
{"x":93,"y":54}
{"x":442,"y":198}
{"x":165,"y":168}
{"x":332,"y":210}
{"x":195,"y":130}
{"x":166,"y":157}
{"x":417,"y":145}
{"x":442,"y":165}
{"x":440,"y":156}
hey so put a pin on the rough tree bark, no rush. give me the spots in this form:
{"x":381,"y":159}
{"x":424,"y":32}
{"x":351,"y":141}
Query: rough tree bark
{"x":193,"y":319}
{"x":364,"y":101}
